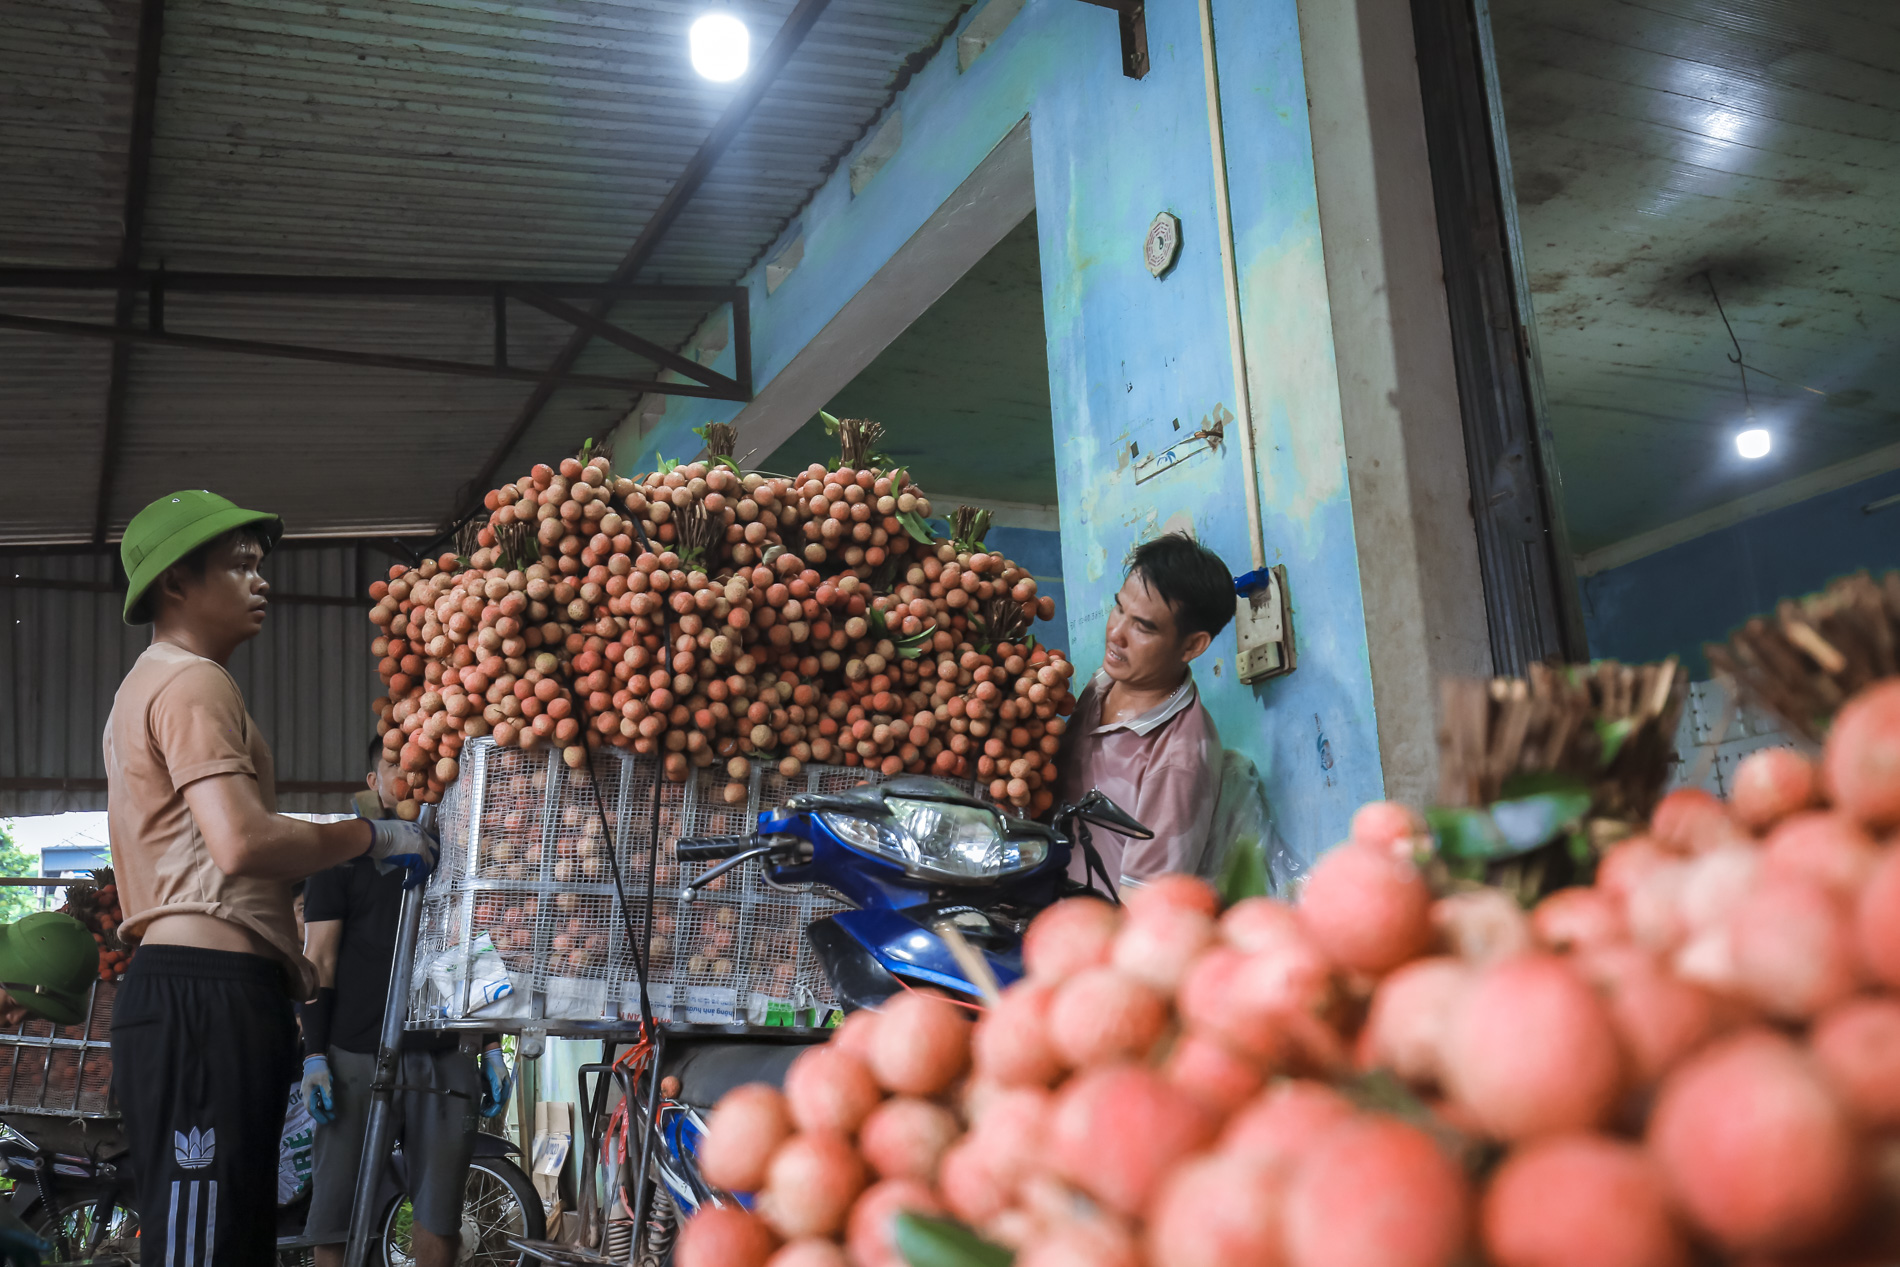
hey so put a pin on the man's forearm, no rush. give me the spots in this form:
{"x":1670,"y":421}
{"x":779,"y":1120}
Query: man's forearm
{"x":291,"y":848}
{"x":245,"y":839}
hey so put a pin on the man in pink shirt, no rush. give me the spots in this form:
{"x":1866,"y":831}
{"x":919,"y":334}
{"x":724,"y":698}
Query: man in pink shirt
{"x":1139,"y":732}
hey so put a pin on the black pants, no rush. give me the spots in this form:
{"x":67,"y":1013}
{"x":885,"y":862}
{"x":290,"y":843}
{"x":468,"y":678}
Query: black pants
{"x":204,"y":1049}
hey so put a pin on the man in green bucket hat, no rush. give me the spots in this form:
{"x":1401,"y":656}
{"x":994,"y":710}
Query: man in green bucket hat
{"x":48,"y":964}
{"x":204,"y":1041}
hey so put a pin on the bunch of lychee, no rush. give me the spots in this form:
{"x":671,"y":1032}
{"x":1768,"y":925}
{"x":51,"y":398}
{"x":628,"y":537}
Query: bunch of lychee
{"x":1696,"y":1059}
{"x":712,"y":619}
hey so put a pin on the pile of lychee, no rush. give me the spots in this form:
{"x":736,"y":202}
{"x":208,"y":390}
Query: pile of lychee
{"x":1695,"y":1060}
{"x":613,"y":627}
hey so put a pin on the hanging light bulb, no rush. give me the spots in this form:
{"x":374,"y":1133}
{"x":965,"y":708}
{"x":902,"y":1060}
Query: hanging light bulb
{"x":1753,"y":443}
{"x":721,"y":46}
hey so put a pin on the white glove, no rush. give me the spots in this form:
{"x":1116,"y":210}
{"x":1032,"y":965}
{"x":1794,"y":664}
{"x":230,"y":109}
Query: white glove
{"x":411,"y":846}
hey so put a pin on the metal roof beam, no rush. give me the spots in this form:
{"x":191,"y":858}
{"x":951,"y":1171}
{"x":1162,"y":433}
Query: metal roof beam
{"x":138,"y":170}
{"x":604,"y":329}
{"x":797,"y":26}
{"x":123,"y":337}
{"x":327,"y":284}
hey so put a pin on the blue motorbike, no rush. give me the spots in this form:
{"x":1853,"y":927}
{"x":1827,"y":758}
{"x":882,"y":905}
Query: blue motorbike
{"x":942,"y":886}
{"x":915,"y":857}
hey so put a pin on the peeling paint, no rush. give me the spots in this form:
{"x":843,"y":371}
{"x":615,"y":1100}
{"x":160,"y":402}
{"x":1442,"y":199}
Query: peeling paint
{"x":1285,"y":298}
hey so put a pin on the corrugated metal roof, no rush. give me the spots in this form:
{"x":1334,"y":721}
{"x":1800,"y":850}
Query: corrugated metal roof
{"x":441,"y":139}
{"x":307,"y":678}
{"x":65,"y":119}
{"x":52,"y":410}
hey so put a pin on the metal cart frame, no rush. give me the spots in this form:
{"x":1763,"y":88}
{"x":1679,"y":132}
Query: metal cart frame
{"x":534,"y":1029}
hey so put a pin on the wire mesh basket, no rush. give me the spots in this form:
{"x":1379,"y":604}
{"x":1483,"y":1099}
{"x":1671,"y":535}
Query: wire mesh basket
{"x":61,"y":1070}
{"x":521,"y":925}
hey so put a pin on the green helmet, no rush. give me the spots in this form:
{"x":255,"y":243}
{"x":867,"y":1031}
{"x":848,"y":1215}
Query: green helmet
{"x":171,"y":528}
{"x":48,"y":961}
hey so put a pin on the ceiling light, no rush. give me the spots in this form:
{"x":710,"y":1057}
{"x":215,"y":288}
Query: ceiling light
{"x":721,"y":46}
{"x":1753,"y":443}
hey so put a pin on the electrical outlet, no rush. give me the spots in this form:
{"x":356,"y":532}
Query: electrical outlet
{"x":1263,"y":625}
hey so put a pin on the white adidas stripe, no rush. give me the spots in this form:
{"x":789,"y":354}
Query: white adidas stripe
{"x":196,"y":1253}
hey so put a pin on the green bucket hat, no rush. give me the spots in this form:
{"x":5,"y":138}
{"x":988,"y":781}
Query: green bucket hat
{"x":48,"y":961}
{"x":171,"y":528}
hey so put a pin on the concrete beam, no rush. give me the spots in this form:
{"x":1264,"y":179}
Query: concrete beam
{"x":985,"y":207}
{"x":1405,"y":449}
{"x":1728,"y":514}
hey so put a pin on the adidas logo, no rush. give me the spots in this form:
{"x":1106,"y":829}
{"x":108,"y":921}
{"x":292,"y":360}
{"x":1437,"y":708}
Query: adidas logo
{"x":196,"y":1149}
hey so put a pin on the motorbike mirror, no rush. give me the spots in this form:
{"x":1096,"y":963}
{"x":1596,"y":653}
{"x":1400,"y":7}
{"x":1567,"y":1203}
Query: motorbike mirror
{"x":1097,"y":808}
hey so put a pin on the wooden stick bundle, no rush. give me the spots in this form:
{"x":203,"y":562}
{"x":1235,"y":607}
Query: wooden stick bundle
{"x":1802,"y":663}
{"x":1611,"y":726}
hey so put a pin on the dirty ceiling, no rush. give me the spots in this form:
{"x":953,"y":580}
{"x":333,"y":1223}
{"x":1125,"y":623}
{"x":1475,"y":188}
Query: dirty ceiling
{"x":964,"y":392}
{"x":1658,"y":147}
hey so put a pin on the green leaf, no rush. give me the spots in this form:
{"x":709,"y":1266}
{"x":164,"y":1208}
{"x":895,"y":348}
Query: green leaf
{"x":663,"y":466}
{"x":1244,"y":874}
{"x":1507,"y":828}
{"x":1529,"y":821}
{"x":928,"y":1242}
{"x":912,"y":645}
{"x":1542,"y":782}
{"x":831,"y":424}
{"x":1612,"y":735}
{"x":914,"y":524}
{"x":876,"y":619}
{"x":1029,"y":642}
{"x":1381,"y":1092}
{"x":723,"y":460}
{"x":1465,"y":834}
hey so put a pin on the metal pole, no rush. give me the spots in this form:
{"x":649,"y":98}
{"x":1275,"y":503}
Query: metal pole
{"x":641,"y":1197}
{"x":379,"y":1137}
{"x":1230,"y":277}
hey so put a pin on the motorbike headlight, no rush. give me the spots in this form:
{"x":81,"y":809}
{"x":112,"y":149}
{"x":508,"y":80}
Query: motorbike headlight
{"x":958,"y":842}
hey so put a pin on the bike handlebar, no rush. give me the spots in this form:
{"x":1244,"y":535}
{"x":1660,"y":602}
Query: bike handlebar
{"x":708,"y":848}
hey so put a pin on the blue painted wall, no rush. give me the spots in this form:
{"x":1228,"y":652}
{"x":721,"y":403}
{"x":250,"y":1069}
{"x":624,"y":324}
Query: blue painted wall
{"x":1130,"y":355}
{"x":1674,"y":601}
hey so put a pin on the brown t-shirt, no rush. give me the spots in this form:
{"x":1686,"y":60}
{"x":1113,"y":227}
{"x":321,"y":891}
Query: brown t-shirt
{"x":178,"y":718}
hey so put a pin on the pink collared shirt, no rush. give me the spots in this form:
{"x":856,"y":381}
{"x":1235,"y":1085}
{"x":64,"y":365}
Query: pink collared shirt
{"x":1163,"y":767}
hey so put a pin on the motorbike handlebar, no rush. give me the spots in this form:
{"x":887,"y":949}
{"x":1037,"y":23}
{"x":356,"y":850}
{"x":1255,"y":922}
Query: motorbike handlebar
{"x":709,"y":848}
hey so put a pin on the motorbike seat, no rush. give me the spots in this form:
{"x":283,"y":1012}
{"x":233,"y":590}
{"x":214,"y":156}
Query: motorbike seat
{"x":708,"y":1070}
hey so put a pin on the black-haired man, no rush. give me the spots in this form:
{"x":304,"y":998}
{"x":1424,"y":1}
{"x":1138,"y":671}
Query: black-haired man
{"x":350,"y":935}
{"x":1139,"y":732}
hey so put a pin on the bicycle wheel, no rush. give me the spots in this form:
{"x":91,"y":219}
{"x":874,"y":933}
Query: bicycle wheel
{"x":499,"y":1203}
{"x":80,"y":1235}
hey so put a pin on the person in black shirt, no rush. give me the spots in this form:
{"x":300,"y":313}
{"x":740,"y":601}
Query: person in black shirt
{"x":350,"y":918}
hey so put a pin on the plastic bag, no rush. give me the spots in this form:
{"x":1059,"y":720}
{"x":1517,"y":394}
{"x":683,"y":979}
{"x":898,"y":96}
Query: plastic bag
{"x":295,"y":1150}
{"x":491,"y":988}
{"x":1245,"y":855}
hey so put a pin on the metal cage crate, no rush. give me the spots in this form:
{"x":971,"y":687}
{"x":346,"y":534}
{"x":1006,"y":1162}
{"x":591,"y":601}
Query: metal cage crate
{"x":521,"y":926}
{"x":61,"y":1070}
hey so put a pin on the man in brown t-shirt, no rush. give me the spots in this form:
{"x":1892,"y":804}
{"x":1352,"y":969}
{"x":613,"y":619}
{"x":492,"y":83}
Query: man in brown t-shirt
{"x":204,"y":1042}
